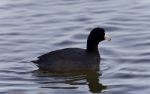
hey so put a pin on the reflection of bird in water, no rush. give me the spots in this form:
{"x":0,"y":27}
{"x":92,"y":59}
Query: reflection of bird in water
{"x":73,"y":80}
{"x":74,"y":59}
{"x":93,"y":82}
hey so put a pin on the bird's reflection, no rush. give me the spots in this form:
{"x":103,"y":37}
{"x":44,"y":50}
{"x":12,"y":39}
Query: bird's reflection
{"x":72,"y":81}
{"x":94,"y":83}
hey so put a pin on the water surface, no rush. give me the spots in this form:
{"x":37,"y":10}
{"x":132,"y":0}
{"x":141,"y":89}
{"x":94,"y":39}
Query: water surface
{"x":29,"y":28}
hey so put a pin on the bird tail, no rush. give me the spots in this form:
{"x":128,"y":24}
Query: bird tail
{"x":35,"y":62}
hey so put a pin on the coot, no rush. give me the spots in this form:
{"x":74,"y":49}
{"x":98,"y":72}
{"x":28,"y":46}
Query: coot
{"x":75,"y":59}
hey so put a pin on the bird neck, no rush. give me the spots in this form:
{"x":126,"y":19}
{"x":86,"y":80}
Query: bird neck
{"x":92,"y":44}
{"x":92,"y":47}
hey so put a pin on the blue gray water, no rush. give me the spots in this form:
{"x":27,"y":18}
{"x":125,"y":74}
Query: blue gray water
{"x":29,"y":28}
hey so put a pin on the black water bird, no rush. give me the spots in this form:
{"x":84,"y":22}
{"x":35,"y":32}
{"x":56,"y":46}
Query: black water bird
{"x":75,"y":59}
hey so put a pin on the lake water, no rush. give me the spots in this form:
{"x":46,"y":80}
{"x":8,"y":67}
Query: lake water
{"x":30,"y":28}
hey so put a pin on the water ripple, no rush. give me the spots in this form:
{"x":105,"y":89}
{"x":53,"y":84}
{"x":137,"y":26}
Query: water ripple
{"x":29,"y":28}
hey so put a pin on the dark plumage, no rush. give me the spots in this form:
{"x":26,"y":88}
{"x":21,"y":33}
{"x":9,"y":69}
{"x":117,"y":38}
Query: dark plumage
{"x":74,"y":59}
